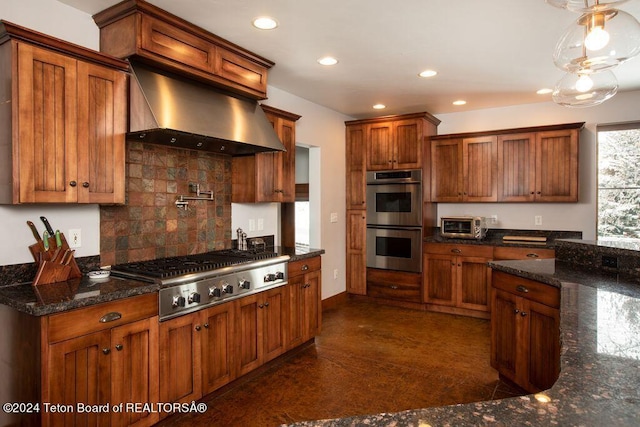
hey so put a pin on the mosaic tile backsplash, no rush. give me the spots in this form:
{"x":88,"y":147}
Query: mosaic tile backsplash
{"x":150,"y":225}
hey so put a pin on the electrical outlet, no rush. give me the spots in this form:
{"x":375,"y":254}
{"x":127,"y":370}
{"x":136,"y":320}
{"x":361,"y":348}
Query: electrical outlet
{"x":334,"y":217}
{"x":494,"y":219}
{"x":252,"y":225}
{"x":335,"y":274}
{"x":538,"y":219}
{"x":75,"y":238}
{"x":260,"y":224}
{"x":609,"y":261}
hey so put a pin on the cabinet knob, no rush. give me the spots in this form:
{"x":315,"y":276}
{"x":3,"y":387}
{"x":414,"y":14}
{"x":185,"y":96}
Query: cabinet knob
{"x":73,"y":183}
{"x":533,"y":192}
{"x":524,"y":313}
{"x":522,"y":289}
{"x":261,"y":306}
{"x":539,"y":192}
{"x":266,"y":304}
{"x":198,"y":327}
{"x":119,"y":347}
{"x":206,"y":325}
{"x":516,"y":311}
{"x":106,"y":350}
{"x":456,"y":251}
{"x":394,"y":286}
{"x":305,"y":267}
{"x":85,"y":184}
{"x":532,"y":255}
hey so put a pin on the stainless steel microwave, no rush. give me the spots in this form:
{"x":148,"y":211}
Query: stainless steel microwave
{"x":463,"y":227}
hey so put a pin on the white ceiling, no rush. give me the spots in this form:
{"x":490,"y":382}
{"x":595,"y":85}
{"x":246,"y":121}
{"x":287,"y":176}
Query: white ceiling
{"x":490,"y":53}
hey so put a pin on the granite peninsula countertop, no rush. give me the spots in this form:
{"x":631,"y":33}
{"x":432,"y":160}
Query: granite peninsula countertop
{"x":82,"y":292}
{"x":599,"y":383}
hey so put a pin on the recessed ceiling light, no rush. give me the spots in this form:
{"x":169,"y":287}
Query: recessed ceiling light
{"x":428,"y":73}
{"x":265,"y":23}
{"x":459,"y":102}
{"x":379,"y":106}
{"x":327,"y":60}
{"x":544,"y":91}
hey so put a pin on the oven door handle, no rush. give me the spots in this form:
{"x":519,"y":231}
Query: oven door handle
{"x":392,"y":227}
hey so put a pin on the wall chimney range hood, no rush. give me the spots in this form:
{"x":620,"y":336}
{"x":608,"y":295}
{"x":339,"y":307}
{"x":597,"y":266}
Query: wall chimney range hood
{"x":171,"y":110}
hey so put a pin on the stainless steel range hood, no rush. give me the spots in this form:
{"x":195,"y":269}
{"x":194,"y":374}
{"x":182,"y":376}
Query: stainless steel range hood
{"x":170,"y":110}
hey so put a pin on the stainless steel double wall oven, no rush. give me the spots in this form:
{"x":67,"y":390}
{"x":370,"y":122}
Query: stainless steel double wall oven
{"x":394,"y":220}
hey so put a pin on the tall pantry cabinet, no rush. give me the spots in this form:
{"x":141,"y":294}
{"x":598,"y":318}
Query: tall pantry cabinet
{"x":382,"y":143}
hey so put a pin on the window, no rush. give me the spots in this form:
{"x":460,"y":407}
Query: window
{"x":619,"y":182}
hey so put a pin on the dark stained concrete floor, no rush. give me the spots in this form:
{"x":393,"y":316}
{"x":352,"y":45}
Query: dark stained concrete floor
{"x":369,"y":358}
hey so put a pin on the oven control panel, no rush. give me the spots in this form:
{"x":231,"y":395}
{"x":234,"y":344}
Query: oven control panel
{"x":176,"y":300}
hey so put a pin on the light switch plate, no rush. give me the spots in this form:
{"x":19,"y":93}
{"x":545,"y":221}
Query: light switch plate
{"x":334,"y":217}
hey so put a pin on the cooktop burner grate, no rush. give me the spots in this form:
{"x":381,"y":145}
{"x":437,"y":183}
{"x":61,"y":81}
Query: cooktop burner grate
{"x":181,"y":265}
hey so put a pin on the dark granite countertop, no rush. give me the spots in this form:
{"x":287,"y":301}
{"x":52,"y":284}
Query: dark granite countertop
{"x":494,"y":238}
{"x":58,"y":297}
{"x":599,"y":382}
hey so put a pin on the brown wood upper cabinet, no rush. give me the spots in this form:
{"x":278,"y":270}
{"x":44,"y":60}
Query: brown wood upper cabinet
{"x":394,"y":145}
{"x":64,"y":127}
{"x":135,"y":28}
{"x":537,"y":164}
{"x":268,"y":177}
{"x":356,"y":167}
{"x":464,"y":170}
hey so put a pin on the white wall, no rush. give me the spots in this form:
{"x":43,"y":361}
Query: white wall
{"x":579,"y":216}
{"x":64,"y":22}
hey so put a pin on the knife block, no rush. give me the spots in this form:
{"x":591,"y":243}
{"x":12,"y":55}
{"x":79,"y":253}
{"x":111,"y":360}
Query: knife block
{"x":55,"y":265}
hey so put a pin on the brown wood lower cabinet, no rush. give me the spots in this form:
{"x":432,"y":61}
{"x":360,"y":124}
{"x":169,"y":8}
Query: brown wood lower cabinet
{"x":90,"y":362}
{"x":305,"y":301}
{"x":525,"y":331}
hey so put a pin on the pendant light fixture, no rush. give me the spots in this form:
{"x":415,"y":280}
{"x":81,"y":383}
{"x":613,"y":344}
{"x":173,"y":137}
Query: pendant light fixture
{"x":602,"y":38}
{"x":582,"y":6}
{"x":585,"y":89}
{"x":598,"y":41}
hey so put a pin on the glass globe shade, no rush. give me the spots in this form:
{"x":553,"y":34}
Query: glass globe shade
{"x":582,"y":6}
{"x":573,"y":89}
{"x":572,"y":53}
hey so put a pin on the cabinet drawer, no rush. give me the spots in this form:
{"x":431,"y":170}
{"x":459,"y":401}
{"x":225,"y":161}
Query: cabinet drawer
{"x":397,"y":292}
{"x":502,"y":252}
{"x":459,"y":250}
{"x":529,"y":289}
{"x":304,"y":266}
{"x":86,"y":320}
{"x":177,"y":45}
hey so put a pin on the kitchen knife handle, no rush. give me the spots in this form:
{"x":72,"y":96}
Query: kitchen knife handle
{"x":45,"y":240}
{"x":46,"y":224}
{"x":58,"y":239}
{"x":34,"y":230}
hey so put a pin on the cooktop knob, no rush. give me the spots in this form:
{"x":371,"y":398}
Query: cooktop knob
{"x":269,"y":277}
{"x":178,"y":301}
{"x":194,"y":297}
{"x":244,"y":284}
{"x":227,"y":289}
{"x":279,"y":275}
{"x":214,"y":292}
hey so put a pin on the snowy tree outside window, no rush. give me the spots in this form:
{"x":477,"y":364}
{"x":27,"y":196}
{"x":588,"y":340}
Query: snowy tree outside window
{"x":619,"y":182}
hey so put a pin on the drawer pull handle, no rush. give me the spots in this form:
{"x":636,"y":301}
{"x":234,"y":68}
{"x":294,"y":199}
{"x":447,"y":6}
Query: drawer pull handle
{"x":111,"y":317}
{"x":532,"y":255}
{"x":456,"y":251}
{"x":119,"y":347}
{"x":305,"y":267}
{"x":522,"y":289}
{"x":394,"y":287}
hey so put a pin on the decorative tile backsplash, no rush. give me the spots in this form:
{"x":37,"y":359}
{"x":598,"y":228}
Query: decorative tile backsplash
{"x":150,"y":225}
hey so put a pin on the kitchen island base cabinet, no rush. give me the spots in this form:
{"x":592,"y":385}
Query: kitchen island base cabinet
{"x":525,"y":331}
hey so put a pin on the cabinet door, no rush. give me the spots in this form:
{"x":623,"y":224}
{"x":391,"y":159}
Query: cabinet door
{"x":479,"y":169}
{"x":180,"y":366}
{"x":356,"y":172}
{"x":446,"y":171}
{"x":379,"y":151}
{"x":275,"y":171}
{"x":474,"y":282}
{"x":296,"y":327}
{"x":240,"y":71}
{"x":440,"y":279}
{"x":504,"y":334}
{"x":356,"y":262}
{"x":516,"y":167}
{"x":218,"y":347}
{"x":557,"y":166}
{"x":542,"y":325}
{"x":134,"y":370}
{"x":272,"y":306}
{"x":407,"y":144}
{"x":80,"y":372}
{"x":47,"y":120}
{"x":248,"y":334}
{"x":312,"y":304}
{"x":286,"y":130}
{"x":102,"y":121}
